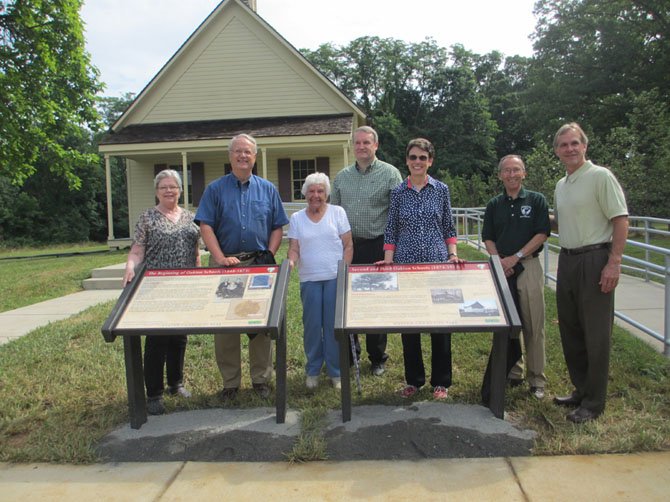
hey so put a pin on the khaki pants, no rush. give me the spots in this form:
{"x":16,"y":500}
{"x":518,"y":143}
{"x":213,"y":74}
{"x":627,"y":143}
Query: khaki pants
{"x":229,"y":361}
{"x":530,"y":285}
{"x":228,"y":349}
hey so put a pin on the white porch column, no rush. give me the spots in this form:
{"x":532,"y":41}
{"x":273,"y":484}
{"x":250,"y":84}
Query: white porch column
{"x":110,"y":208}
{"x":184,"y":177}
{"x":264,"y":163}
{"x":345,"y":148}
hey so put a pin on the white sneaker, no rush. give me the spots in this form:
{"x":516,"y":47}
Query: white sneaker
{"x":312,"y":382}
{"x":337,"y":382}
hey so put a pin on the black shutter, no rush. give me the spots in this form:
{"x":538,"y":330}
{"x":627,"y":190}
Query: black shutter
{"x":323,"y":165}
{"x":197,"y":182}
{"x":284,"y":172}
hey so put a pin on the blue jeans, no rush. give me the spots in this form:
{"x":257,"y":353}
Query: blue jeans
{"x":318,"y":319}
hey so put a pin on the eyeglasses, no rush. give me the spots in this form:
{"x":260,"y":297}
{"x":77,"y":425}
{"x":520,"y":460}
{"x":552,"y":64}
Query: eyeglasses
{"x":422,"y":158}
{"x":165,"y":189}
{"x":515,"y":170}
{"x":248,"y":153}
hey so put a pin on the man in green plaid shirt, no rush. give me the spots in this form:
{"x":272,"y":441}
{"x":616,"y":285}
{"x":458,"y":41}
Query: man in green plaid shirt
{"x":363,"y":190}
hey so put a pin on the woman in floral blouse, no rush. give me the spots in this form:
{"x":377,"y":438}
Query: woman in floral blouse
{"x":165,"y":237}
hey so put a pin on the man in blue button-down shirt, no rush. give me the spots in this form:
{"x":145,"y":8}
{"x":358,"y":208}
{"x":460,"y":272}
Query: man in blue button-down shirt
{"x":241,"y":218}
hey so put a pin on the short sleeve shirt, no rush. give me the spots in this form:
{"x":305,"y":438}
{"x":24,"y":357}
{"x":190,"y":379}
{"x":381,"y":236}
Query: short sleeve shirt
{"x":585,"y":203}
{"x":243,"y":215}
{"x":320,"y":243}
{"x":167,"y":244}
{"x":511,"y":223}
{"x":365,"y":196}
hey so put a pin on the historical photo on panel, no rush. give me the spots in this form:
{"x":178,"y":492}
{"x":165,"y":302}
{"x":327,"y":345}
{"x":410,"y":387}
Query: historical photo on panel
{"x":383,"y":281}
{"x":483,"y":307}
{"x":447,"y":295}
{"x":231,"y":286}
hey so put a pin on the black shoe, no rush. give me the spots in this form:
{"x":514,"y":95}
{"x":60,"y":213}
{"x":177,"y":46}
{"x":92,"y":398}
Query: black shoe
{"x":514,"y":382}
{"x":155,"y":406}
{"x":228,"y":394}
{"x":378,"y":369}
{"x":262,"y":390}
{"x":581,"y":415}
{"x":571,"y":400}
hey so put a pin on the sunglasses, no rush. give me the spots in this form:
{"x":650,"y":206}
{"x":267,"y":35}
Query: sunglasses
{"x":422,"y":158}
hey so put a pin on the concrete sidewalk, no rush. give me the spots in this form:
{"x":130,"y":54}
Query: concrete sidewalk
{"x":577,"y":478}
{"x":19,"y":322}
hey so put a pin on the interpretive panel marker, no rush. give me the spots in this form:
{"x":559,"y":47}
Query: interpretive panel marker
{"x":232,"y":301}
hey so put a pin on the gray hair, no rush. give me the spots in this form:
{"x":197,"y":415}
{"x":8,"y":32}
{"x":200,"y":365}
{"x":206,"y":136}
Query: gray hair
{"x":316,"y":179}
{"x":247,"y":137}
{"x":368,"y":130}
{"x":572,"y":126}
{"x":167,"y":173}
{"x":511,"y":156}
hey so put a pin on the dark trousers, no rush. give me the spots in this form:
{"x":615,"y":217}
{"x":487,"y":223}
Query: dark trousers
{"x":585,"y":317}
{"x":513,"y":344}
{"x":440,"y":356}
{"x":159,"y":352}
{"x":368,"y":251}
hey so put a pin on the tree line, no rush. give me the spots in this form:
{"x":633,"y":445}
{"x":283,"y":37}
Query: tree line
{"x":602,"y":63}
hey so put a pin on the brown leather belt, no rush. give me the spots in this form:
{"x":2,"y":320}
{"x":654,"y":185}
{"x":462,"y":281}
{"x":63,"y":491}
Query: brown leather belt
{"x":585,"y":249}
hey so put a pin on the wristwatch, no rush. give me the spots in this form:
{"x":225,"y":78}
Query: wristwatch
{"x":519,"y":254}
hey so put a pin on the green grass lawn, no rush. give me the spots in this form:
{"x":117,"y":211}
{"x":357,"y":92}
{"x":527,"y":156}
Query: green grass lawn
{"x":24,"y":281}
{"x":62,"y":388}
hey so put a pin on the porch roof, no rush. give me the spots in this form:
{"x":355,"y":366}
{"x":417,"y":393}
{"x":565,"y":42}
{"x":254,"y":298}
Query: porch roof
{"x":221,"y":129}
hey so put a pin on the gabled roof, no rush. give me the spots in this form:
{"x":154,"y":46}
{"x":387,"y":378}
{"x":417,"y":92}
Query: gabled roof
{"x":224,"y":129}
{"x":235,"y":66}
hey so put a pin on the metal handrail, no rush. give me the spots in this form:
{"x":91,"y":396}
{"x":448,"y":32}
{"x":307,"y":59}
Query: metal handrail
{"x":469,"y":222}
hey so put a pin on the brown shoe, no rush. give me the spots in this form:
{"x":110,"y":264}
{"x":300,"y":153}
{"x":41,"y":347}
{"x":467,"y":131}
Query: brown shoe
{"x":262,"y":390}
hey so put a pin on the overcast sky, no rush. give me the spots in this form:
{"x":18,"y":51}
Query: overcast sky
{"x":130,"y":40}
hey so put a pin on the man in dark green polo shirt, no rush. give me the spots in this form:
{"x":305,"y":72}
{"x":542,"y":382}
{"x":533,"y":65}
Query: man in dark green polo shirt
{"x":516,"y":224}
{"x":364,"y":191}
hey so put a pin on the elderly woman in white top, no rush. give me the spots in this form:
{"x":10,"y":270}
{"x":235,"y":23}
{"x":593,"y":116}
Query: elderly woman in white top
{"x":319,"y":236}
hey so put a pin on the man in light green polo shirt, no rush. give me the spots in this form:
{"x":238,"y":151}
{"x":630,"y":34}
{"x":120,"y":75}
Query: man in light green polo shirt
{"x":364,"y":191}
{"x":592,"y":217}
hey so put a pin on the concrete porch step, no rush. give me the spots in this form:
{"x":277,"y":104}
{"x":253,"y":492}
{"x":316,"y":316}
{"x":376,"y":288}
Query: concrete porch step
{"x":109,"y":271}
{"x":102,"y":283}
{"x":110,"y":277}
